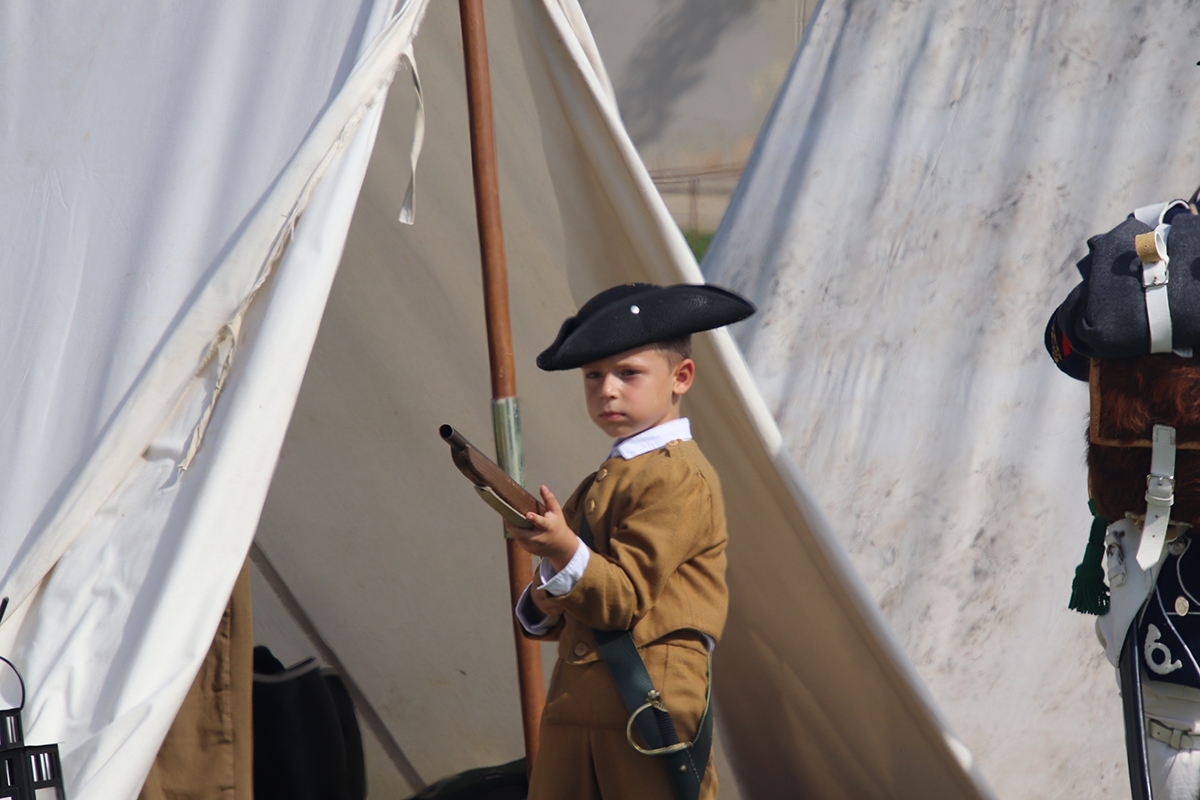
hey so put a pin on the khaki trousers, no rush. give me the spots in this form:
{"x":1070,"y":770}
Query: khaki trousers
{"x":584,"y":754}
{"x":208,"y":753}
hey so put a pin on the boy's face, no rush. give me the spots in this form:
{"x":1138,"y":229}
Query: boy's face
{"x":635,"y":390}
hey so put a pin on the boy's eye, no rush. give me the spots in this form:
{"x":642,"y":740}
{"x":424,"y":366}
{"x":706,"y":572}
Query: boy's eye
{"x":591,"y":376}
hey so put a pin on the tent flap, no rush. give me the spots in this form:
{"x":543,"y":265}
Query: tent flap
{"x":144,"y":553}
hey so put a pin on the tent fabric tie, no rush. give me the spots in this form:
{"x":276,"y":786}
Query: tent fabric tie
{"x":408,"y":210}
{"x":1089,"y":593}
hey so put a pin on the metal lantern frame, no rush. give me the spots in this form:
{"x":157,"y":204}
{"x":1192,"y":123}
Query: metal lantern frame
{"x":27,"y":772}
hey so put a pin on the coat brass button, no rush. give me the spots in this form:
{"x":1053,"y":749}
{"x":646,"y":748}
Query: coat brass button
{"x":591,"y":506}
{"x":673,"y":442}
{"x":581,"y":649}
{"x":602,"y":474}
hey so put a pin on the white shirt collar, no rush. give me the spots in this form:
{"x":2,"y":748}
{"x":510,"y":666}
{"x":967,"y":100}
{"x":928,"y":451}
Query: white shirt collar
{"x":652,"y":439}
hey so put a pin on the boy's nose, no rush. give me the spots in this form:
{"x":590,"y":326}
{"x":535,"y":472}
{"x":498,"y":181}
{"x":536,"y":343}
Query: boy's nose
{"x":609,"y":386}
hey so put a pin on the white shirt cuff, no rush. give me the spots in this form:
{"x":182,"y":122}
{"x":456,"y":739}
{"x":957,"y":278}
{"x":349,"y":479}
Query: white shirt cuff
{"x":531,"y":617}
{"x":559,"y":583}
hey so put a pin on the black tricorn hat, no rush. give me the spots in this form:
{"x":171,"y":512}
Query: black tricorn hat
{"x":637,"y":314}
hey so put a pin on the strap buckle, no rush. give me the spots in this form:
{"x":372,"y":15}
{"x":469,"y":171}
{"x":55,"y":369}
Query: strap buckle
{"x":1160,"y":496}
{"x":1160,"y":489}
{"x":1172,"y":737}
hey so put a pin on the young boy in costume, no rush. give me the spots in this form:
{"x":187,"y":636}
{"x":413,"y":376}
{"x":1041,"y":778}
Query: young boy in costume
{"x":654,"y":518}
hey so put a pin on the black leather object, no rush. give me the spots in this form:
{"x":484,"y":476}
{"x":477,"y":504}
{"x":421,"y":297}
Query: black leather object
{"x":1135,"y":720}
{"x":685,"y":768}
{"x":307,"y":744}
{"x":505,"y":782}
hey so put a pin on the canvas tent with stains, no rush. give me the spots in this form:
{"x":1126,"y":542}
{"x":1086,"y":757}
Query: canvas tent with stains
{"x":913,"y":213}
{"x":204,"y":268}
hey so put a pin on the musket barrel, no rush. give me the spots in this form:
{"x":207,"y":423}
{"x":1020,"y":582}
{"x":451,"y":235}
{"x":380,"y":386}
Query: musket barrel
{"x":453,"y":438}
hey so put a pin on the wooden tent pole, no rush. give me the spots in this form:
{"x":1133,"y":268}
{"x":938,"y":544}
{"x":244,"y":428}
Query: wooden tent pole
{"x":500,"y":349}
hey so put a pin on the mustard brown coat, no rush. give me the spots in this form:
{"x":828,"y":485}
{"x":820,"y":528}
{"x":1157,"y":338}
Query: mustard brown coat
{"x":658,"y":523}
{"x":658,"y":569}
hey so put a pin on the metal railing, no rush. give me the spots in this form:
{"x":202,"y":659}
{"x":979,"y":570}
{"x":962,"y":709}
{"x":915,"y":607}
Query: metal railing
{"x":695,"y":181}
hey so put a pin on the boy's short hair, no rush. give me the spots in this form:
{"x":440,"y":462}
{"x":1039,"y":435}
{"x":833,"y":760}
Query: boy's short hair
{"x":676,"y":349}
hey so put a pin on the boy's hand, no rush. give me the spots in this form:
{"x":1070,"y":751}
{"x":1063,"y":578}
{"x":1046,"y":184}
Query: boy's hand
{"x":545,"y":603}
{"x":550,"y":537}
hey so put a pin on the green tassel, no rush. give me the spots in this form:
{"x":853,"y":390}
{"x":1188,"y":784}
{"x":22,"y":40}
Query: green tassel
{"x":1089,"y":594}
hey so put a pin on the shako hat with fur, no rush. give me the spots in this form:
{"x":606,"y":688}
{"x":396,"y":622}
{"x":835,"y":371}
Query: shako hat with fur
{"x":637,"y":314}
{"x":1105,"y":316}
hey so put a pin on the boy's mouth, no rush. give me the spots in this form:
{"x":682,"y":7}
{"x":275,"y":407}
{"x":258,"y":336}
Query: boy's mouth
{"x":611,"y":416}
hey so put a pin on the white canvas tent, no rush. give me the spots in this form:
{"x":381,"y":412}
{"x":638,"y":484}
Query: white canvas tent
{"x":912,"y":214}
{"x":179,"y":187}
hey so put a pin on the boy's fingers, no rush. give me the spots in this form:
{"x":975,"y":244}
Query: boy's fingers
{"x":551,"y":501}
{"x":539,"y":522}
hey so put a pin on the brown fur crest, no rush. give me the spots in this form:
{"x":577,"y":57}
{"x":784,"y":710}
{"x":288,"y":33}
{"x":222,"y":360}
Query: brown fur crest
{"x":1130,"y":396}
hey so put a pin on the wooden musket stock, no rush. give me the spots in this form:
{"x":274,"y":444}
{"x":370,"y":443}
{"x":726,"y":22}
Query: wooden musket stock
{"x":483,"y":472}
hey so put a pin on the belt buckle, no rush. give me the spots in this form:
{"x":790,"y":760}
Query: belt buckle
{"x":1160,"y":489}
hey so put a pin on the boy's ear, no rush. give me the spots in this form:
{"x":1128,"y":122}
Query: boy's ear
{"x":685,"y":373}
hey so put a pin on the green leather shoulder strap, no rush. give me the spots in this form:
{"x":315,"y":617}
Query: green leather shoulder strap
{"x":685,"y":762}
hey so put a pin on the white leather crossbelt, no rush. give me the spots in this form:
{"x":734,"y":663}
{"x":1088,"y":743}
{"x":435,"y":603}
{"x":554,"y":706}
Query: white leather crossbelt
{"x":1160,"y":496}
{"x":1156,"y":274}
{"x":1180,"y":740}
{"x":1155,"y":277}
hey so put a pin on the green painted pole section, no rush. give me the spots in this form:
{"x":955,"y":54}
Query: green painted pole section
{"x":506,"y":425}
